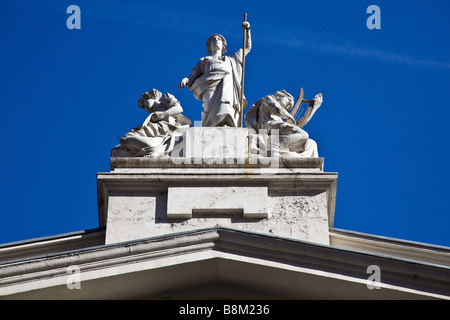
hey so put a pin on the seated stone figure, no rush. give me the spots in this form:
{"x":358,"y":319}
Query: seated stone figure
{"x":265,"y":120}
{"x":157,"y":135}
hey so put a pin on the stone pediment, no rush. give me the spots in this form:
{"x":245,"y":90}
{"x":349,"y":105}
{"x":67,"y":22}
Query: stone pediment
{"x":221,"y":263}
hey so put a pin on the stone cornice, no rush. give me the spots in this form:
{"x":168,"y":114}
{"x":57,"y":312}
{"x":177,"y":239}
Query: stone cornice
{"x":211,"y":243}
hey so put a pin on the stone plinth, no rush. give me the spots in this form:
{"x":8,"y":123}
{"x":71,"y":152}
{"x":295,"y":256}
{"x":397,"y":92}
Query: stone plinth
{"x":295,"y":200}
{"x":211,"y":180}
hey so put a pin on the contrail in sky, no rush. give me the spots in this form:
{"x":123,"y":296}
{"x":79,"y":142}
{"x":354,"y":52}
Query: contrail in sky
{"x":354,"y":51}
{"x":138,"y":13}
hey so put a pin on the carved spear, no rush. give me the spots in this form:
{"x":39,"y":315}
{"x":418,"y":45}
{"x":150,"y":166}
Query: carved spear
{"x":243,"y":73}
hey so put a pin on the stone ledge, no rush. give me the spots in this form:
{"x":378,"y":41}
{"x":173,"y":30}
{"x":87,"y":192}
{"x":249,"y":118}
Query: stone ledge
{"x":248,"y":162}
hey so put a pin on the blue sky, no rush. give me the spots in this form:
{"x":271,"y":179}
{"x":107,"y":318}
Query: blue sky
{"x":383,"y":126}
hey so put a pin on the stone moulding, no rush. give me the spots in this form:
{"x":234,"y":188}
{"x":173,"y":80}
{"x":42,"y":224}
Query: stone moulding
{"x":246,"y":162}
{"x":323,"y":264}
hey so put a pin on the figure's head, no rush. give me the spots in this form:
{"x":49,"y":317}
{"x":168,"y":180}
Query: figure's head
{"x":152,"y":94}
{"x":216,"y":40}
{"x":149,"y":98}
{"x":285,"y":99}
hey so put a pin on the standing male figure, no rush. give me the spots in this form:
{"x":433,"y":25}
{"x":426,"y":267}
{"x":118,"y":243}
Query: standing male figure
{"x":215,"y":80}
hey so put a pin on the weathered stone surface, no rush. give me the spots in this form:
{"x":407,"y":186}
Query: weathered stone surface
{"x":134,"y":204}
{"x":131,"y":217}
{"x":300,"y":216}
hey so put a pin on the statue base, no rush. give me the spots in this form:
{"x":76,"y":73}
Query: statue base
{"x":288,"y":197}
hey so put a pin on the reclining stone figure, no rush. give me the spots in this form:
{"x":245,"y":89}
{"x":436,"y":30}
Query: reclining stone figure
{"x":268,"y":130}
{"x":158,"y":134}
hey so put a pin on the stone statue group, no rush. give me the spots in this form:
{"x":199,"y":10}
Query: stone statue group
{"x":216,"y":80}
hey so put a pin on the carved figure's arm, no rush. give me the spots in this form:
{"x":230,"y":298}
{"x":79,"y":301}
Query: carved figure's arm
{"x":248,"y":43}
{"x":196,"y":72}
{"x":278,"y":110}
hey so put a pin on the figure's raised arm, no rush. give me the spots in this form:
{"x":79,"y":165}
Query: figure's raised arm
{"x":248,"y":42}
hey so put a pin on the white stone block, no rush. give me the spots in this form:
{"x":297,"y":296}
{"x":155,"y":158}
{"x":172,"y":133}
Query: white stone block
{"x":248,"y":201}
{"x":215,"y":145}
